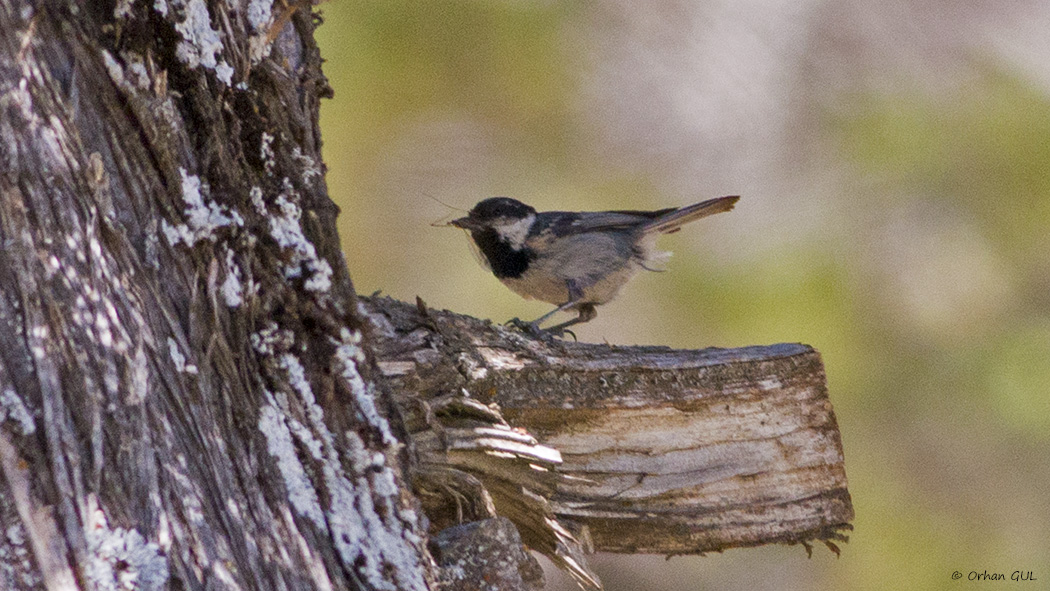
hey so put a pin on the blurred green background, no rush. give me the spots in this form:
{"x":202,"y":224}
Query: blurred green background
{"x":894,"y":163}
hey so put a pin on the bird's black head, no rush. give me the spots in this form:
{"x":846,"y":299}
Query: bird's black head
{"x":494,"y":208}
{"x":499,"y":227}
{"x":495,"y":213}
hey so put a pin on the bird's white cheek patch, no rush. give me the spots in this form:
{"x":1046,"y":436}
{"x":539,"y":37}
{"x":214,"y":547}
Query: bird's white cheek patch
{"x":516,"y":233}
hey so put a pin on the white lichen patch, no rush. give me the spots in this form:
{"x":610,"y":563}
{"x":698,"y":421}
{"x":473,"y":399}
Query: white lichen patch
{"x":259,"y":47}
{"x":224,"y":72}
{"x":121,"y":559}
{"x":311,"y":170}
{"x":137,"y":73}
{"x":139,"y":377}
{"x":285,"y":229}
{"x":348,"y":354}
{"x":12,"y":408}
{"x":133,"y":77}
{"x":296,"y":374}
{"x":201,"y":44}
{"x":266,"y":153}
{"x":301,"y":492}
{"x":200,"y":217}
{"x":188,"y":491}
{"x":343,"y":488}
{"x":256,"y":196}
{"x":83,"y":274}
{"x":179,"y":359}
{"x":16,"y":561}
{"x":361,"y":534}
{"x":321,"y":281}
{"x":271,"y":339}
{"x":122,"y":9}
{"x":232,"y":289}
{"x":362,"y":509}
{"x":116,"y":72}
{"x":304,"y":435}
{"x":203,"y":216}
{"x":260,"y":15}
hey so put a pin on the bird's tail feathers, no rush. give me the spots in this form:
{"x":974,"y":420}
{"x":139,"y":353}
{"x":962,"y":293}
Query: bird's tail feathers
{"x":674,"y":220}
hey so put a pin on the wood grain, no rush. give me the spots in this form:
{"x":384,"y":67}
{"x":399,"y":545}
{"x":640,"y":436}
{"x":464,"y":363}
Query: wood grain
{"x":663,"y":451}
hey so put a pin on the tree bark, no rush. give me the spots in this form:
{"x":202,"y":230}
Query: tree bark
{"x":185,"y":394}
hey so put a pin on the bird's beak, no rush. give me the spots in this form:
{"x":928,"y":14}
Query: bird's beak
{"x":465,"y":223}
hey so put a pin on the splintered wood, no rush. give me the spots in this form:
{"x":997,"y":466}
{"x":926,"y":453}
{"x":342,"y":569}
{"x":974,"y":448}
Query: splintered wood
{"x":663,"y":451}
{"x":686,"y":451}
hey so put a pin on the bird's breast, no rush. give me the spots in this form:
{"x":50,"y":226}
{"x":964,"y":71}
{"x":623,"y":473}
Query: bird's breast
{"x":596,"y":265}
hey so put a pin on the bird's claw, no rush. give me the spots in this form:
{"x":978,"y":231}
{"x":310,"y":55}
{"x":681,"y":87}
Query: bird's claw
{"x":527,"y":327}
{"x":533,"y":329}
{"x":560,"y":333}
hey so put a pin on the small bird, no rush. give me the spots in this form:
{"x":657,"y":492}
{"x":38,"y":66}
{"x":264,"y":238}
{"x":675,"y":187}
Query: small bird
{"x":574,"y":260}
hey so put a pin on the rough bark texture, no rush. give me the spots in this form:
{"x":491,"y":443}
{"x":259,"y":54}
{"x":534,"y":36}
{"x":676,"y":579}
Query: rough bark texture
{"x":183,"y":390}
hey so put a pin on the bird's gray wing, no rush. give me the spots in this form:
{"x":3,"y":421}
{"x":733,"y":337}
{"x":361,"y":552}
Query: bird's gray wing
{"x":564,"y":223}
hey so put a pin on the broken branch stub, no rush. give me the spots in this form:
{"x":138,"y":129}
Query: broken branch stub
{"x":664,"y":451}
{"x":678,"y":452}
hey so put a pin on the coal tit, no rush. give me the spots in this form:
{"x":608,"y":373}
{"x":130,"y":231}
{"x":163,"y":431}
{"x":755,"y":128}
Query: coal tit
{"x":574,"y":260}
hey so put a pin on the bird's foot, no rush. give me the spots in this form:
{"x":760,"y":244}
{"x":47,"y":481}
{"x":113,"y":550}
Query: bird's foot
{"x":533,"y":329}
{"x":560,"y":333}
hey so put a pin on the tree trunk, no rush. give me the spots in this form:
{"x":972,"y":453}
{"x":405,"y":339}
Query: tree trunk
{"x":183,"y":385}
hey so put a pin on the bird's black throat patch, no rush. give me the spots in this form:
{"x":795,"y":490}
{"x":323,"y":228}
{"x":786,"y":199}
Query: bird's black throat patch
{"x":505,"y":261}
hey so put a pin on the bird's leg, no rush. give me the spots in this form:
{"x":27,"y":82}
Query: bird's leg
{"x":534,"y":326}
{"x":587,"y":312}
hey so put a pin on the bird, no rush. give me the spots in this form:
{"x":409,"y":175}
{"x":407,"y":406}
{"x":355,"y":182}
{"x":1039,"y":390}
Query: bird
{"x":574,"y":260}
